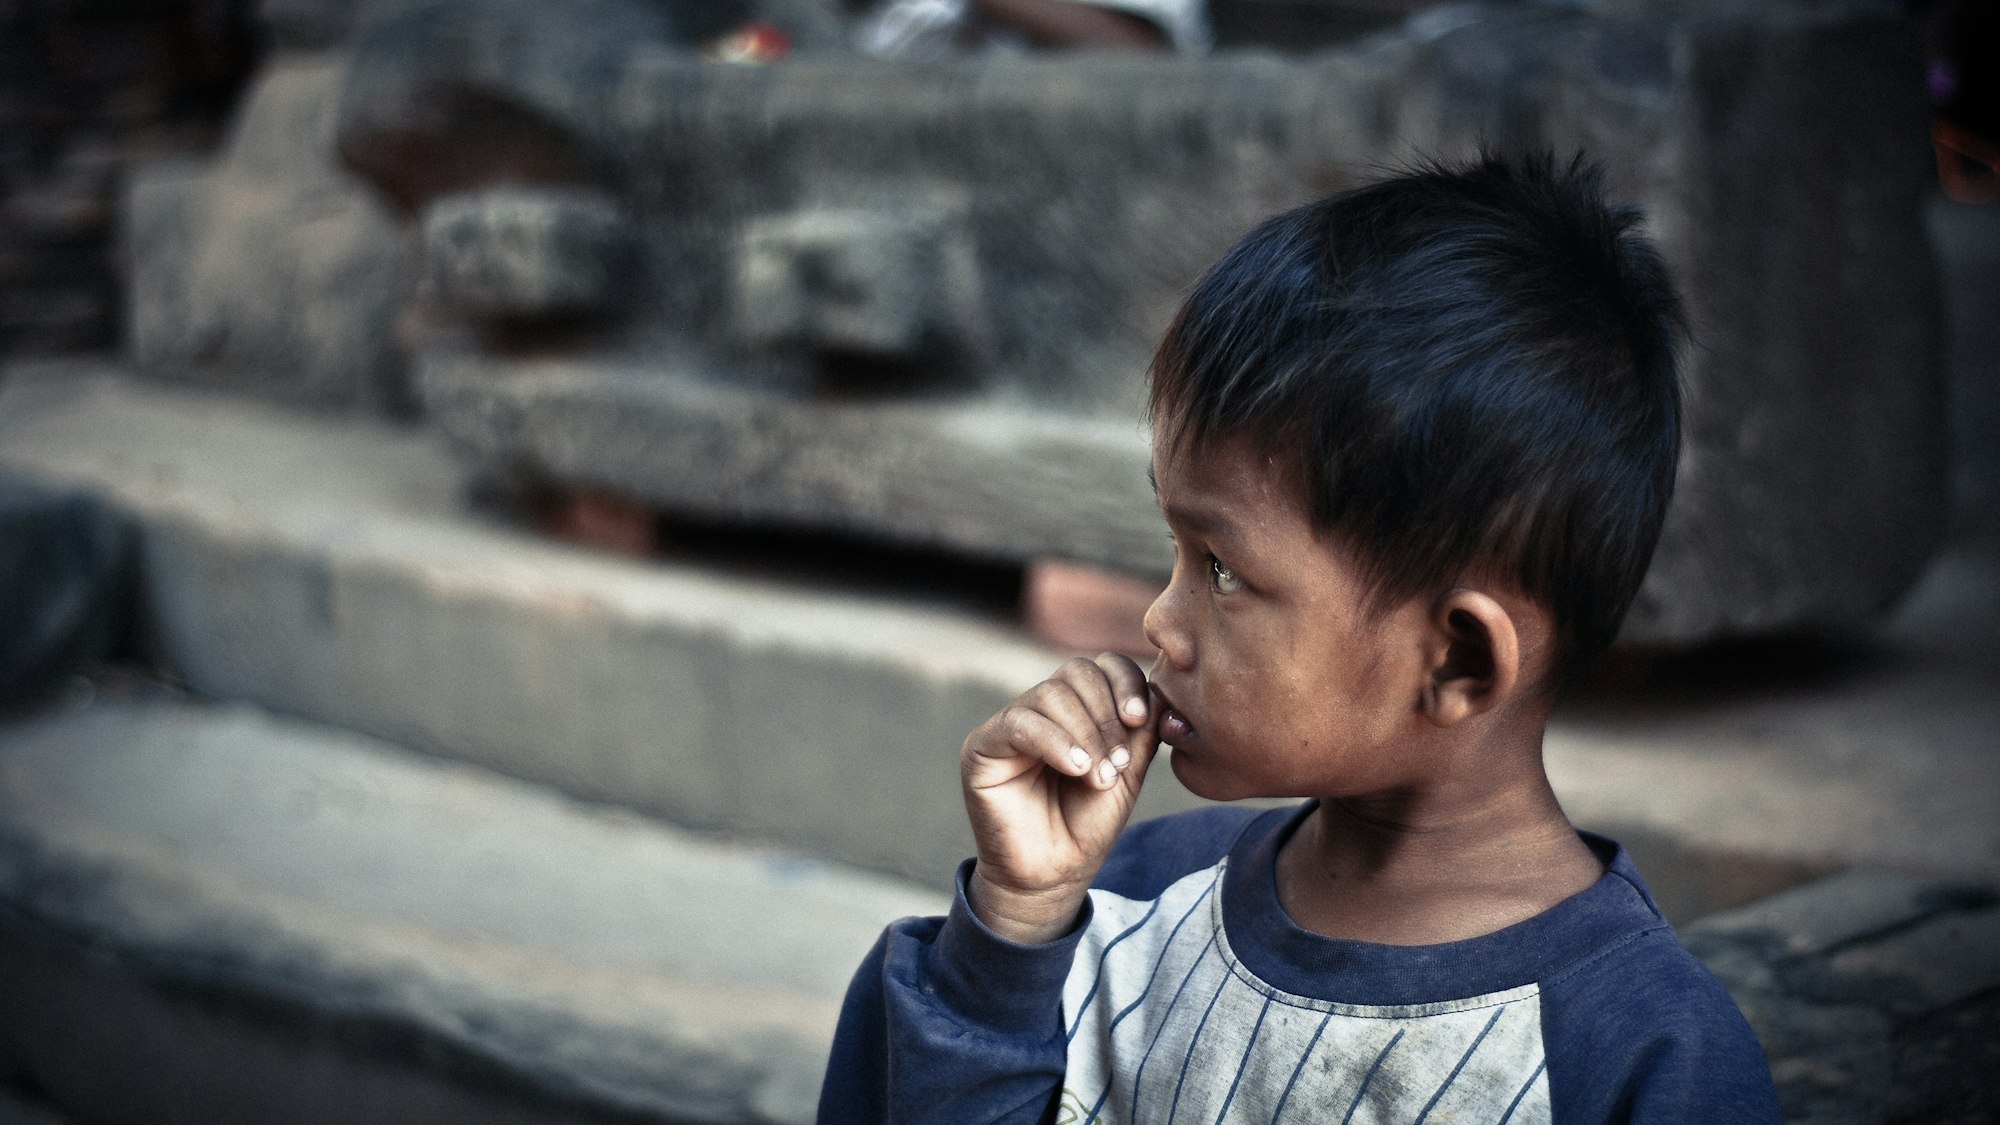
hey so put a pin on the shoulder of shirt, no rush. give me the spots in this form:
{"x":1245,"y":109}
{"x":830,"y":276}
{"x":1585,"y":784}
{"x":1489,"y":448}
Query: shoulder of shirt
{"x":1648,"y":969}
{"x":1152,"y":854}
{"x":1645,"y":989}
{"x":1645,"y":1022}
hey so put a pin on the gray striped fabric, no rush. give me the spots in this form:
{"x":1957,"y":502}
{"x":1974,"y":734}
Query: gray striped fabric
{"x":1167,"y":1026}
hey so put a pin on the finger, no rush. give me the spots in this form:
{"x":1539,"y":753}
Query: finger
{"x":1128,"y":687}
{"x":1056,"y":700}
{"x":1093,"y":689}
{"x":992,"y":755}
{"x":1141,"y":745}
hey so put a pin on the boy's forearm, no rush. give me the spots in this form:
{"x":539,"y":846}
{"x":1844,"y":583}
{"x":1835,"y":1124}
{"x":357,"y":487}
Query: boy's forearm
{"x":945,"y":1024}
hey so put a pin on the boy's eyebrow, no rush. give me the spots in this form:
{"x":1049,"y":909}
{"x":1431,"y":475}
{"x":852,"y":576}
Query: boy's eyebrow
{"x":1195,"y":519}
{"x":1203,"y":520}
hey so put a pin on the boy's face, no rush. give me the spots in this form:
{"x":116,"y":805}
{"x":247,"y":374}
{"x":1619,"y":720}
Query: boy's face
{"x":1278,"y":681}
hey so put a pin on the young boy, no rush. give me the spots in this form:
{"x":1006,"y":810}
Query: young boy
{"x":1415,"y":443}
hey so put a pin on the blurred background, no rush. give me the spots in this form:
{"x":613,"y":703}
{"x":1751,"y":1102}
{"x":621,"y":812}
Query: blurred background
{"x":508,"y":509}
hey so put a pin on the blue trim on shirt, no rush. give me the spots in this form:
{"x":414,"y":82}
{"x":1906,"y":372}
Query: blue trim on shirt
{"x":1296,"y":960}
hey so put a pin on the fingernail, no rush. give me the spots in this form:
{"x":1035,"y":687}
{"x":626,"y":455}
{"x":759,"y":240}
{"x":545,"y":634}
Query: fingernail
{"x":1105,"y":773}
{"x":1080,"y":759}
{"x":1136,"y":708}
{"x":1121,"y":757}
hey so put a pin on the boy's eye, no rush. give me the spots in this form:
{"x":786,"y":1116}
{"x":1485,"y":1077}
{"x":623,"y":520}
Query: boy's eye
{"x":1221,"y":577}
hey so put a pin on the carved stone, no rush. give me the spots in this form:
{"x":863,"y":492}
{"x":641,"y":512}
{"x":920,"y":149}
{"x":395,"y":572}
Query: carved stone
{"x":519,"y":253}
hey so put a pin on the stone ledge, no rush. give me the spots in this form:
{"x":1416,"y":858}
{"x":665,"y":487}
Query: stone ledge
{"x":330,"y":569}
{"x":407,"y":911}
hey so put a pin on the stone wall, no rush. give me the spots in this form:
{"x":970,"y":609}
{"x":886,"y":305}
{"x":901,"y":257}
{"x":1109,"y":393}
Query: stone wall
{"x":914,"y":303}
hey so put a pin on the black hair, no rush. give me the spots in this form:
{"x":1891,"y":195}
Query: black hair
{"x":1471,"y":369}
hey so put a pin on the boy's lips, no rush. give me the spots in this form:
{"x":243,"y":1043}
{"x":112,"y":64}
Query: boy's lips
{"x":1174,"y":726}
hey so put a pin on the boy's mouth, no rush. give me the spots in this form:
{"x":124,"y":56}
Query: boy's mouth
{"x":1174,"y":726}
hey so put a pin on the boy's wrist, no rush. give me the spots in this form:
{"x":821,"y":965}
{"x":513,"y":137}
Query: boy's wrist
{"x":1024,"y":917}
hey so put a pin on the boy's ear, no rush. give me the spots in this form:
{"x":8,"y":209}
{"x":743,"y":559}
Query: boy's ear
{"x":1473,"y":661}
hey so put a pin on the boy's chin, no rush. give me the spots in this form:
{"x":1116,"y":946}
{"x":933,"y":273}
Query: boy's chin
{"x":1195,"y":777}
{"x":1196,"y":772}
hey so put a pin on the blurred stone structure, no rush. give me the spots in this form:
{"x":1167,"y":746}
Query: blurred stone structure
{"x":87,"y":88}
{"x":915,"y":303}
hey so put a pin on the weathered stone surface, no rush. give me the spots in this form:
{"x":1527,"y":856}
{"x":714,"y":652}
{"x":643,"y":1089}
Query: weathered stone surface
{"x":388,"y":907}
{"x":523,"y":253}
{"x":270,"y":270}
{"x":1839,"y":910}
{"x":1940,"y":961}
{"x":973,"y":475}
{"x":1093,"y":190}
{"x":1832,"y":976}
{"x":1946,"y":1062}
{"x":66,"y":572}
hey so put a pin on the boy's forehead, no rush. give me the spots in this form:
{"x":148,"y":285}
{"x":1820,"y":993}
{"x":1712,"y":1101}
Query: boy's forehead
{"x":1224,"y":472}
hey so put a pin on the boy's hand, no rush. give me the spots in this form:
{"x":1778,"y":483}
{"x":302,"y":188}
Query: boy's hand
{"x":1049,"y":783}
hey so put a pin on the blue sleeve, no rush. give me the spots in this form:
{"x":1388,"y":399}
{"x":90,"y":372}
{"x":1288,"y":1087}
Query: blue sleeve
{"x":1647,"y":1035}
{"x":947,"y":1021}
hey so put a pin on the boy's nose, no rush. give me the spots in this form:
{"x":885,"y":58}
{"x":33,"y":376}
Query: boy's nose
{"x":1165,"y":635}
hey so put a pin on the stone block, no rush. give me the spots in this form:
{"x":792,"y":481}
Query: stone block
{"x":1093,"y":189}
{"x":513,"y":254}
{"x":965,"y":474}
{"x":270,"y":271}
{"x":889,"y":282}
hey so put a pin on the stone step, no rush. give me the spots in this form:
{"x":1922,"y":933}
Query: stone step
{"x":331,"y":569}
{"x":213,"y":914}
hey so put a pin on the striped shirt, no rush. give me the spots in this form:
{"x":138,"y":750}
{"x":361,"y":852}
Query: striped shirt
{"x":1166,"y":1024}
{"x":1188,"y":996}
